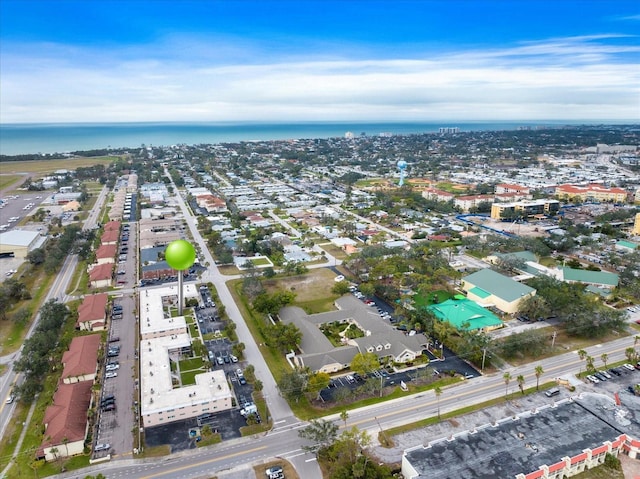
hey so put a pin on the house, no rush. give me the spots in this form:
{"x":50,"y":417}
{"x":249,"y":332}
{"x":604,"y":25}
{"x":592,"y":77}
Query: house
{"x":80,"y":361}
{"x":92,"y":313}
{"x":110,"y":237}
{"x":490,"y":288}
{"x":66,"y":422}
{"x":106,"y":253}
{"x":112,"y":225}
{"x":380,"y":338}
{"x":101,"y":276}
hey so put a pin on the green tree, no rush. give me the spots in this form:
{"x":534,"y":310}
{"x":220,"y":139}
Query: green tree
{"x":292,"y":385}
{"x":321,"y":433}
{"x":364,"y":363}
{"x":539,"y":372}
{"x":341,"y":287}
{"x":520,"y":379}
{"x":344,"y":415}
{"x":604,"y":357}
{"x":284,"y":337}
{"x":438,"y":392}
{"x":507,"y":378}
{"x":317,"y":382}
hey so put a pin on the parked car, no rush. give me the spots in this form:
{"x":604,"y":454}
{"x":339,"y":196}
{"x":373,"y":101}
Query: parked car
{"x":102,"y":447}
{"x":110,"y":374}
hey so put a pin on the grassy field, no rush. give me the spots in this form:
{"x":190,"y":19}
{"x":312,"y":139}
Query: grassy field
{"x":333,"y":250}
{"x":8,"y":180}
{"x":39,"y":167}
{"x":313,"y":289}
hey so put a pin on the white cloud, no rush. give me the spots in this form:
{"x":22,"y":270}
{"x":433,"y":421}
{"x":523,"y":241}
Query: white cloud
{"x":569,"y":78}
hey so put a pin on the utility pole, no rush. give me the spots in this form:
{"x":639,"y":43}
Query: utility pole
{"x":553,"y":340}
{"x":484,"y":355}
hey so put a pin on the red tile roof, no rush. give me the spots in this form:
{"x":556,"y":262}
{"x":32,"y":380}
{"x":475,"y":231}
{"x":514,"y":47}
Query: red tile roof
{"x":112,"y":225}
{"x":93,"y":308}
{"x":106,"y":251}
{"x":66,"y":418}
{"x":102,"y":271}
{"x":82,"y":356}
{"x":110,"y":236}
{"x":591,"y":187}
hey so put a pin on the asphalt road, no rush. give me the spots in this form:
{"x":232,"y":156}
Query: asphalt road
{"x":283,"y":440}
{"x":57,"y":291}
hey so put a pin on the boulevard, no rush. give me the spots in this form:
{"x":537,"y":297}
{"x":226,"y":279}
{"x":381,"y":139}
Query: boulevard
{"x":283,"y":441}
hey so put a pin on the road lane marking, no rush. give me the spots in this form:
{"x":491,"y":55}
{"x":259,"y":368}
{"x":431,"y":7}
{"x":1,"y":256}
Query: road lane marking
{"x":202,"y":463}
{"x":468,"y":393}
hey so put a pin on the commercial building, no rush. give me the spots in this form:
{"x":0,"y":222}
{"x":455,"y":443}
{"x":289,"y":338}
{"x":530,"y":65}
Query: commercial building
{"x":552,"y":442}
{"x":20,"y":242}
{"x":524,"y":208}
{"x":490,"y":288}
{"x":380,"y":338}
{"x":591,"y":192}
{"x":464,"y":314}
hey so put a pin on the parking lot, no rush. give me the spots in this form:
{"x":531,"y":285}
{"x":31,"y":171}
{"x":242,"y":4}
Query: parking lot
{"x":618,"y":379}
{"x":118,"y":396}
{"x":226,"y":423}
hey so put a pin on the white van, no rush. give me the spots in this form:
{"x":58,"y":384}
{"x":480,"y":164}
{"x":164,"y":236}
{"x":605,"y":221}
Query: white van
{"x":552,"y":392}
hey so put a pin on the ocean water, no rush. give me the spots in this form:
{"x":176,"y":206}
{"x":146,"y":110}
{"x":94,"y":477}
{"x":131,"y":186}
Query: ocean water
{"x":17,"y":139}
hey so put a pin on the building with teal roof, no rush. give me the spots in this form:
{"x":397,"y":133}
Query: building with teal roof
{"x":464,"y":314}
{"x":626,"y":246}
{"x":602,"y":279}
{"x":490,"y":288}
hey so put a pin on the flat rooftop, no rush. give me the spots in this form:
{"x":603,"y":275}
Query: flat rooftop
{"x":158,"y":393}
{"x":152,"y":312}
{"x":514,"y":446}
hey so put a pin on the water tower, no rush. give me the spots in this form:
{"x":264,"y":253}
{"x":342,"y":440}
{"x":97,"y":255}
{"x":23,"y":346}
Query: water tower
{"x":402,"y":166}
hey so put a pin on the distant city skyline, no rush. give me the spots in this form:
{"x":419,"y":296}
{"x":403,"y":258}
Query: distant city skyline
{"x":307,"y":60}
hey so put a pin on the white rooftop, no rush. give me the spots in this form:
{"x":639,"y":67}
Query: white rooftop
{"x":158,"y":393}
{"x":152,"y":319}
{"x":18,"y":237}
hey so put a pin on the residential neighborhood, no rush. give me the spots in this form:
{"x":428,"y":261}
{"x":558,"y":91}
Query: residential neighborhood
{"x":322,"y":288}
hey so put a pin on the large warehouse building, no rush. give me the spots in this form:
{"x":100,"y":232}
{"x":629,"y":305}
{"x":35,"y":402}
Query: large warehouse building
{"x":20,"y":242}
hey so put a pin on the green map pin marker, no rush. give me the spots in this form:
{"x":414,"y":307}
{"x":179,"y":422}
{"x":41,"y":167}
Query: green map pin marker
{"x":180,"y":255}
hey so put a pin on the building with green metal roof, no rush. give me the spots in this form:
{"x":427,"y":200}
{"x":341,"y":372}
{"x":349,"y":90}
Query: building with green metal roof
{"x":490,"y":288}
{"x":464,"y":314}
{"x":596,"y":278}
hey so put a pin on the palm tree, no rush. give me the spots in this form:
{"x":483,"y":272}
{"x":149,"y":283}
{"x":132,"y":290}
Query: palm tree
{"x":630,"y":353}
{"x":605,"y":358}
{"x":590,"y":366}
{"x":507,"y":377}
{"x":582,"y":354}
{"x":520,"y":380}
{"x":344,"y":415}
{"x":539,"y":372}
{"x":438,"y":391}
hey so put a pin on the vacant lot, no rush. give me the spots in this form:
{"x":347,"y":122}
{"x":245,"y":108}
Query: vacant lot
{"x":49,"y":166}
{"x":313,"y":289}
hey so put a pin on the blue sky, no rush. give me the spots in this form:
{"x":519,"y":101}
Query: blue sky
{"x":213,"y":60}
